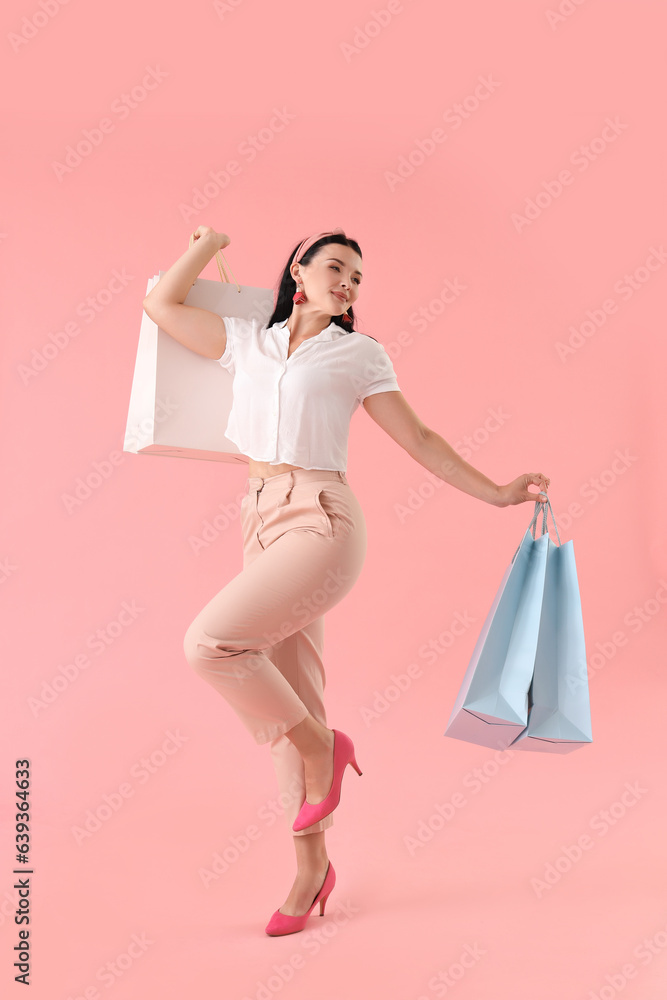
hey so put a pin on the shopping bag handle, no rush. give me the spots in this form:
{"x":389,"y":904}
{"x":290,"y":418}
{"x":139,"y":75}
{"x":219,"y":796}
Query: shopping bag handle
{"x":221,"y":269}
{"x":532,"y":527}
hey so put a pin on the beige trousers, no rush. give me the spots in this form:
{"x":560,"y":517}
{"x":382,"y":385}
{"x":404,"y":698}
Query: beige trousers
{"x":260,"y":640}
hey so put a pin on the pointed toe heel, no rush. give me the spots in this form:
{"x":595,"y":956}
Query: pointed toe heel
{"x":343,"y":754}
{"x":283,"y":923}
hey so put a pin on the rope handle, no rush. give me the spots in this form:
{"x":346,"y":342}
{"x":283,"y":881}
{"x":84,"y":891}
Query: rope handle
{"x":221,"y":269}
{"x":533,"y":524}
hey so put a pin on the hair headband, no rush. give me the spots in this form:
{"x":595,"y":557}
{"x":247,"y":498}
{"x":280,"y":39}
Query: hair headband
{"x":309,"y":242}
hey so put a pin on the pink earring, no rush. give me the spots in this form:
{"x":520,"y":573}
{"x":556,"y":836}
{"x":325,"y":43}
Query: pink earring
{"x":346,"y":318}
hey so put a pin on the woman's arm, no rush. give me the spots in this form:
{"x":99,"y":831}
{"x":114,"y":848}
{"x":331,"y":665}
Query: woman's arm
{"x":201,"y":330}
{"x":393,"y":413}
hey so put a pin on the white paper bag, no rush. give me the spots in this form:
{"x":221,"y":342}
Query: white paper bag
{"x":180,"y":400}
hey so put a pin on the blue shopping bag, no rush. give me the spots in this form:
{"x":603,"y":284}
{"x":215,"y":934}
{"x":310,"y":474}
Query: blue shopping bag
{"x":559,"y":718}
{"x":491,"y":708}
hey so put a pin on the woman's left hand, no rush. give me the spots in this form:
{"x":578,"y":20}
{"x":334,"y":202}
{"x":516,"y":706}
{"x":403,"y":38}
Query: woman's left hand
{"x":517,"y":491}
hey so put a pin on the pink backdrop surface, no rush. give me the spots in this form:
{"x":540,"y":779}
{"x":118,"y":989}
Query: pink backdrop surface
{"x":514,"y":152}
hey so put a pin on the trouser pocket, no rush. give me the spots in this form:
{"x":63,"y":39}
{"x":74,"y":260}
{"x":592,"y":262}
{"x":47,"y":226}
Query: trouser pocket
{"x":326,"y":519}
{"x":339,"y":509}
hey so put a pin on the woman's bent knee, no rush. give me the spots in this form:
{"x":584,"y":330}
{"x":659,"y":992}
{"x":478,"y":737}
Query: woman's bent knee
{"x":201,"y":649}
{"x":198,"y":646}
{"x":191,"y":645}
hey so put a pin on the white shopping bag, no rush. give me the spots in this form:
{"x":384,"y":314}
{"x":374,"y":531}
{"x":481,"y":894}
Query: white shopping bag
{"x":180,"y":400}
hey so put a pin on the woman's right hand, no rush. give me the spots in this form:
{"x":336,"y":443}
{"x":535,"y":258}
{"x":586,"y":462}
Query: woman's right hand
{"x":221,"y":240}
{"x":517,"y":491}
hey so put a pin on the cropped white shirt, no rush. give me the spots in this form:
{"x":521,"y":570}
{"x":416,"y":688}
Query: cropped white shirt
{"x":297,"y":410}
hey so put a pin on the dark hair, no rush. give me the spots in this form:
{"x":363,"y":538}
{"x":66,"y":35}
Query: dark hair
{"x":287,"y":285}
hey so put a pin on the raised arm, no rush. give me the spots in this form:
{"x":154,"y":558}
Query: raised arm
{"x":393,"y":413}
{"x":201,"y":330}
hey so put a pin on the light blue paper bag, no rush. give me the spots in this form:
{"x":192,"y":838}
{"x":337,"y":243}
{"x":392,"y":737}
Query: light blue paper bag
{"x":491,"y":708}
{"x":559,"y":718}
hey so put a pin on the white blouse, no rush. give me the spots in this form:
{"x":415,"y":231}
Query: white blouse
{"x":297,"y":410}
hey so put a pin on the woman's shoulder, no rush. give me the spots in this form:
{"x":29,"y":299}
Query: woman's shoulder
{"x":366,"y":343}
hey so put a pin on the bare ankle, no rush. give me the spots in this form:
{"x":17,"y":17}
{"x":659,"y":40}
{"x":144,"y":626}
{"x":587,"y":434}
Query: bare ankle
{"x":311,"y":738}
{"x":312,"y":866}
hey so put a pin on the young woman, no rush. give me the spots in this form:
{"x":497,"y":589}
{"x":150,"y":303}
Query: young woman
{"x":297,"y":380}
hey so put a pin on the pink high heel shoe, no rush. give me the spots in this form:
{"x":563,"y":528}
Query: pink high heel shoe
{"x":283,"y":923}
{"x":343,"y":754}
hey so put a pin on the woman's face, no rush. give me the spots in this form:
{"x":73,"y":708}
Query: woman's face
{"x":335,"y":269}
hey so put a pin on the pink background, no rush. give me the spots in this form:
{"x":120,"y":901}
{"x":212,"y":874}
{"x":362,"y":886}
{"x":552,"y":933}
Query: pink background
{"x":361,"y":97}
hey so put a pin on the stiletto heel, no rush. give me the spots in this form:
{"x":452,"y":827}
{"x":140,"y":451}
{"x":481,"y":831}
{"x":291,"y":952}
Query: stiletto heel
{"x":283,"y":923}
{"x":343,"y":754}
